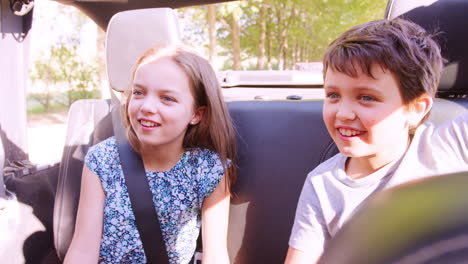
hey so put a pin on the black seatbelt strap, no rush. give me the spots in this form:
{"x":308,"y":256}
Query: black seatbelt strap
{"x":139,"y":192}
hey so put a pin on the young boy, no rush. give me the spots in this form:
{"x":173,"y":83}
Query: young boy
{"x":380,"y":80}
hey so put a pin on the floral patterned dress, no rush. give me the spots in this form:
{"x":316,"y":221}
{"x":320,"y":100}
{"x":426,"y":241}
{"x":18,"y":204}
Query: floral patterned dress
{"x":178,"y":195}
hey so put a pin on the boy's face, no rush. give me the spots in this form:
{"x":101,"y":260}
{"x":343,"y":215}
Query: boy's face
{"x":366,"y":116}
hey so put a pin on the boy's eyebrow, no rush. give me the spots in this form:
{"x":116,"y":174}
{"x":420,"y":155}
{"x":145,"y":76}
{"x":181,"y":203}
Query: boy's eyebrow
{"x":369,"y":88}
{"x":371,"y":91}
{"x":359,"y":88}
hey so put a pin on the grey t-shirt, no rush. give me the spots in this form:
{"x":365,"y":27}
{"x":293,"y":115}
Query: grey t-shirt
{"x":329,"y":197}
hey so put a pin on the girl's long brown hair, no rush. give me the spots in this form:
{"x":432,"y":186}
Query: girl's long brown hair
{"x":215,"y":130}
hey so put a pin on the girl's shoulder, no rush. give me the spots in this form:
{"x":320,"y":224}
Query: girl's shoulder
{"x":103,"y":152}
{"x":203,"y":157}
{"x":105,"y":147}
{"x":206,"y":168}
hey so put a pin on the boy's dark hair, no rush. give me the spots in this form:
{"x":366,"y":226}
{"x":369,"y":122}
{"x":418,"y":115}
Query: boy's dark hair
{"x":401,"y":46}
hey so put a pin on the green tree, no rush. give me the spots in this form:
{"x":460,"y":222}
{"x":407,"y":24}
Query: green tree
{"x":230,"y":16}
{"x":267,"y":34}
{"x":63,"y":67}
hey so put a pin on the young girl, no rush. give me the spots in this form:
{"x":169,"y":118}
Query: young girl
{"x":379,"y":80}
{"x":178,"y":122}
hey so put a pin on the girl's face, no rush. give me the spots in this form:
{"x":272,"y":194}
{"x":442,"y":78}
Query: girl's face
{"x":366,"y":116}
{"x":161,"y":105}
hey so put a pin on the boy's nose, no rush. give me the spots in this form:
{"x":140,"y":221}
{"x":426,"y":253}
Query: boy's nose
{"x":345,"y":112}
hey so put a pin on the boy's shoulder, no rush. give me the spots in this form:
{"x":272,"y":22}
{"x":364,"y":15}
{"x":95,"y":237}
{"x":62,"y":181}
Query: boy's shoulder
{"x":328,"y":166}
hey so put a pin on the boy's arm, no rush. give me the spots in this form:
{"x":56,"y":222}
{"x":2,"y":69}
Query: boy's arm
{"x":296,"y":256}
{"x":307,"y":236}
{"x":215,"y":216}
{"x":86,"y":241}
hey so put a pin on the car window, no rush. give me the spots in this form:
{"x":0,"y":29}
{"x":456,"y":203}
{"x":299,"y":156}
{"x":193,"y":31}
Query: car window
{"x":66,"y":64}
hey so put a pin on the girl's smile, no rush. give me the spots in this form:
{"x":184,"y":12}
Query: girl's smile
{"x":148,"y":124}
{"x":162,"y":106}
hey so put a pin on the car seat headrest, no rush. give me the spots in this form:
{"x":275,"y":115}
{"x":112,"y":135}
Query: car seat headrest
{"x":130,"y":34}
{"x":448,"y":20}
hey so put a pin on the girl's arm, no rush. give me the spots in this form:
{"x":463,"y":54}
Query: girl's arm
{"x":86,"y":241}
{"x":215,"y":217}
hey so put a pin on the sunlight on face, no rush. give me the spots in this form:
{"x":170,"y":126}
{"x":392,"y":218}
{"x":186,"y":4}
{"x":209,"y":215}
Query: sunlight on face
{"x":162,"y":104}
{"x":366,"y":116}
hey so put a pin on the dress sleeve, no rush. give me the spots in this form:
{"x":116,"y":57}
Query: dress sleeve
{"x":212,"y":172}
{"x":92,"y":159}
{"x":308,"y":232}
{"x":102,"y":159}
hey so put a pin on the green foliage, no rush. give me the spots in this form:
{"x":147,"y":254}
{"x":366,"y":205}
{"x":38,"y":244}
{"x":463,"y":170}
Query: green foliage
{"x":35,"y":108}
{"x":296,"y":30}
{"x":63,"y":68}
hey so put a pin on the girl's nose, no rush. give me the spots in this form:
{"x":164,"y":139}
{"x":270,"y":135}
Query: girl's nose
{"x":345,"y":112}
{"x":150,"y":106}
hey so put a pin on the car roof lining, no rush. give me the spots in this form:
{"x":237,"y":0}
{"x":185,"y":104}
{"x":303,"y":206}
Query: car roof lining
{"x":101,"y":11}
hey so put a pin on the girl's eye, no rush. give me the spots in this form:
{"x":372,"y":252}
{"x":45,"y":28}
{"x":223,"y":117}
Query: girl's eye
{"x":367,"y":98}
{"x":137,"y":92}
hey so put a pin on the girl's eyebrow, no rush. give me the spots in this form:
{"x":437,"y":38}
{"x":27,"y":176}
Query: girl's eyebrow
{"x":162,"y":91}
{"x":140,"y":86}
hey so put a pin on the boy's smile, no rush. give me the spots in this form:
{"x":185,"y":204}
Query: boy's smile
{"x":348,"y":132}
{"x":366,"y":117}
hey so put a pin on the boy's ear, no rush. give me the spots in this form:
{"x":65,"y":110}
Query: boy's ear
{"x":198,"y":115}
{"x":419,"y":109}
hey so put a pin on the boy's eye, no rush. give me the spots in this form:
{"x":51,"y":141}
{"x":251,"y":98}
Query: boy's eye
{"x":168,"y":99}
{"x":367,"y":98}
{"x":332,"y":95}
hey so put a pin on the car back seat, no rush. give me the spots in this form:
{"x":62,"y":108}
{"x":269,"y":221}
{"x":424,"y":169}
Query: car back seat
{"x":447,"y":19}
{"x":279,"y":142}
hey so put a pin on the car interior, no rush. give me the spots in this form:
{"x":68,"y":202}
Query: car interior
{"x":279,"y":141}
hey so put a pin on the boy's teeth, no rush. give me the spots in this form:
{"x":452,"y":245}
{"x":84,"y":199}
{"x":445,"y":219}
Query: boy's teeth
{"x":148,"y":123}
{"x":348,"y":132}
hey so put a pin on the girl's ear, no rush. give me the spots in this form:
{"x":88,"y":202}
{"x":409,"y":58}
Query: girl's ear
{"x":419,"y":109}
{"x":198,"y":115}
